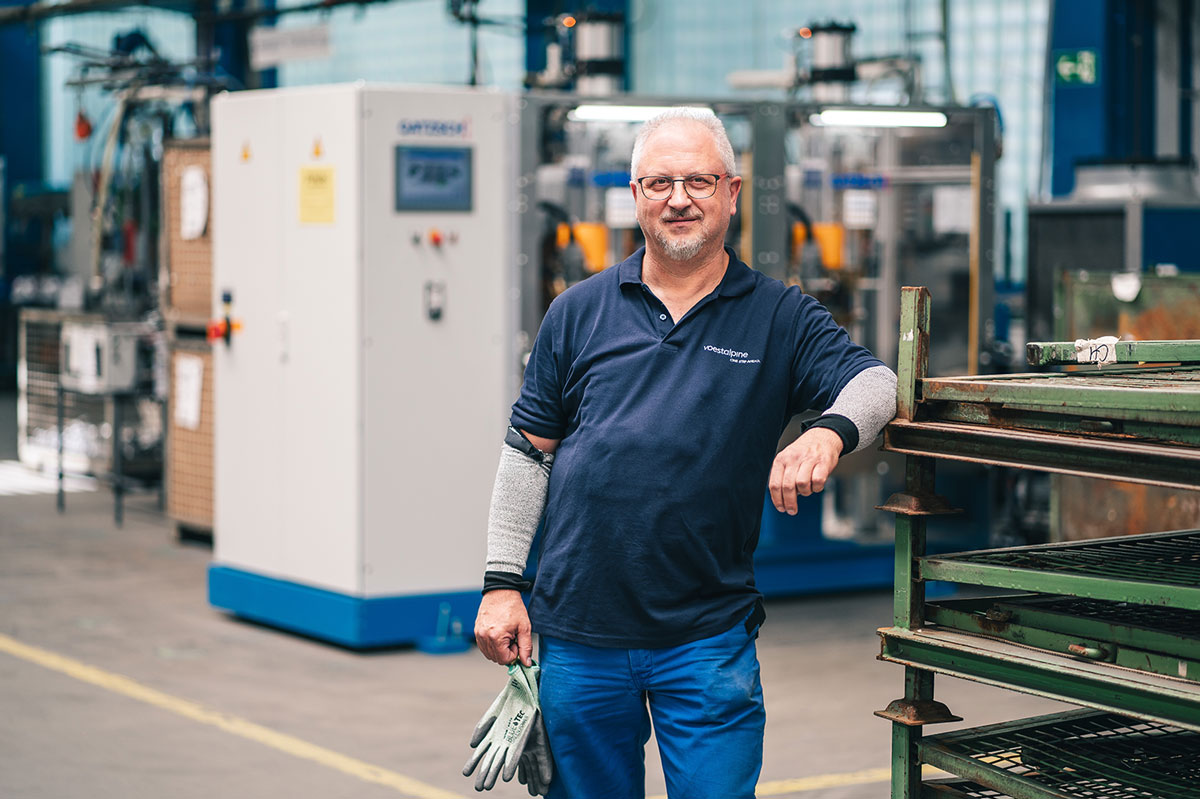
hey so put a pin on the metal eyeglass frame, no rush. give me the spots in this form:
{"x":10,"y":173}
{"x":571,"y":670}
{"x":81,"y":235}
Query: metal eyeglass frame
{"x":683,"y":180}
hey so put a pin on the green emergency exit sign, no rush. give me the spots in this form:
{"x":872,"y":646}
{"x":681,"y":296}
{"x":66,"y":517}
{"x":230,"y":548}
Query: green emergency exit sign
{"x":1076,"y":67}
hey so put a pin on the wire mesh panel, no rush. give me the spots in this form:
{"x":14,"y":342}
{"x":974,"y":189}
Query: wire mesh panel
{"x":190,"y":455}
{"x":1171,"y":559}
{"x":1147,"y":617}
{"x":86,"y":418}
{"x":189,"y":259}
{"x":1081,"y":754}
{"x":959,"y":789}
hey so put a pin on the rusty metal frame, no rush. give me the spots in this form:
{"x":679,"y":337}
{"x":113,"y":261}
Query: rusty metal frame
{"x":1140,"y":462}
{"x":1138,"y":425}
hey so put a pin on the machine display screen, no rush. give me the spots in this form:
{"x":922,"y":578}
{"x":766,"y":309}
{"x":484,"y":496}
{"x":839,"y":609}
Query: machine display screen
{"x":433,"y":178}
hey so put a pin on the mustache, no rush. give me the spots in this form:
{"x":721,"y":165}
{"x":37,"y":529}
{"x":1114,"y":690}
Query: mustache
{"x":672,"y":215}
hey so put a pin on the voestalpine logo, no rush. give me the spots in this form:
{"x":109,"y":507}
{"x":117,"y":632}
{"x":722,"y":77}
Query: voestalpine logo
{"x":735,"y":356}
{"x":441,"y":128}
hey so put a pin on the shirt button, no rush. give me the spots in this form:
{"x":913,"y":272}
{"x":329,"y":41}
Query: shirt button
{"x":662,"y":316}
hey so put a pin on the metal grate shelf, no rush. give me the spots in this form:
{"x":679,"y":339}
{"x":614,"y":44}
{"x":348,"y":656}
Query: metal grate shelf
{"x":1080,"y":755}
{"x":1154,"y":569}
{"x":1132,"y":692}
{"x":959,"y":789}
{"x":1154,"y":639}
{"x":1170,"y":621}
{"x":1163,"y":395}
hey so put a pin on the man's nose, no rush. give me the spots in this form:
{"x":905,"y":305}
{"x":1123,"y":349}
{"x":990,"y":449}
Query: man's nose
{"x":679,"y":197}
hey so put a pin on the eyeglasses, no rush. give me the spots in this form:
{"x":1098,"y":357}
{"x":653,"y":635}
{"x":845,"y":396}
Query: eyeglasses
{"x":660,"y":187}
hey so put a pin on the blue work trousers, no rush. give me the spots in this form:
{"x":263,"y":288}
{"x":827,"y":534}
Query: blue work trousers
{"x":705,"y":699}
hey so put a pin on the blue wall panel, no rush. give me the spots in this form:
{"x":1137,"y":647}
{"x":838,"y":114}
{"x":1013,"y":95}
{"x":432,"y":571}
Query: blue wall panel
{"x":20,"y":82}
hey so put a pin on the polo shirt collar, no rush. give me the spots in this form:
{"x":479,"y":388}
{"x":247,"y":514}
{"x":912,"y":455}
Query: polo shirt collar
{"x":738,"y":279}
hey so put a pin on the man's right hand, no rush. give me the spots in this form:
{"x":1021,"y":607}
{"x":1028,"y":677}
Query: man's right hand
{"x":502,"y":630}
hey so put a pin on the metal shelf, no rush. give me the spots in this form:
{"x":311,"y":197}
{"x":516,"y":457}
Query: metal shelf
{"x":1126,"y":610}
{"x":1136,"y":461}
{"x":1169,"y":394}
{"x":1104,"y":686}
{"x":1155,"y":639}
{"x":1074,"y":755}
{"x":1152,"y":569}
{"x":959,"y":789}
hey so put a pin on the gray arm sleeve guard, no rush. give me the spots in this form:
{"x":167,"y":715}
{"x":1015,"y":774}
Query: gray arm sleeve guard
{"x":869,"y":401}
{"x":518,"y":499}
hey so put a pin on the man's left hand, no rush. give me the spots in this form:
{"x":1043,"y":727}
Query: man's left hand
{"x":803,"y":467}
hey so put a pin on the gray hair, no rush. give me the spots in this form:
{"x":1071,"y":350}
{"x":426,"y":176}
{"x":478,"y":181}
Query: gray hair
{"x":672,"y":116}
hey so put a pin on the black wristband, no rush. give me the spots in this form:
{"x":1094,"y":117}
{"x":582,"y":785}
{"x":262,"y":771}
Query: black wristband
{"x":846,"y":429}
{"x":518,"y":441}
{"x":493,"y":581}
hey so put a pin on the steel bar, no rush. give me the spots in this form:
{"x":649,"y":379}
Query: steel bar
{"x":1175,"y":390}
{"x":1155,"y":464}
{"x":1146,"y":628}
{"x":955,"y":788}
{"x":1141,"y":592}
{"x":1043,"y":353}
{"x":913,"y":360}
{"x":1066,"y":679}
{"x":1116,"y":425}
{"x":1094,"y":644}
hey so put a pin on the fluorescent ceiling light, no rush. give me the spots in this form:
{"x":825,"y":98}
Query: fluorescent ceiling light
{"x":619,"y":113}
{"x":879,"y":118}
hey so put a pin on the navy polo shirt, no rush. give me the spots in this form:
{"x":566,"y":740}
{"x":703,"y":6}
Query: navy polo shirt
{"x":668,"y":432}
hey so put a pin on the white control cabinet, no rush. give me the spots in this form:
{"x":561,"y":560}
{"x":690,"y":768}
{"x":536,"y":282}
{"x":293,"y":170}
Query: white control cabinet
{"x":365,"y":253}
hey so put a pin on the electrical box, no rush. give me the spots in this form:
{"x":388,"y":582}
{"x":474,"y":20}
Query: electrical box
{"x":100,"y":358}
{"x":365,"y":258}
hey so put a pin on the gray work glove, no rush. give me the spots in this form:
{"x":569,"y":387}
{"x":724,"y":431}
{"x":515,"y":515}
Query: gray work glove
{"x":501,"y":735}
{"x":536,"y":767}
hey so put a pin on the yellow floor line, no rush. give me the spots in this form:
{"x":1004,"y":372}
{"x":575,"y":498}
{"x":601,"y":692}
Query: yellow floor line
{"x":231,"y":724}
{"x":820,"y":781}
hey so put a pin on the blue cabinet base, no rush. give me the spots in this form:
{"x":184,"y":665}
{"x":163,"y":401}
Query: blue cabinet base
{"x":433,"y":622}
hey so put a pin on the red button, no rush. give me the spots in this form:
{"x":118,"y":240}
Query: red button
{"x":435,"y":238}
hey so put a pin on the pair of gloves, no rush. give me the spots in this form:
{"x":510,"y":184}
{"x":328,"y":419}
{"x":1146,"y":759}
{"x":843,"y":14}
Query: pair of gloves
{"x":511,"y":739}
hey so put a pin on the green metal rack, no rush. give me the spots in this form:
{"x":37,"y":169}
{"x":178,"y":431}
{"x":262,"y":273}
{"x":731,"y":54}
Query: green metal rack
{"x":1080,"y":754}
{"x":1112,"y":625}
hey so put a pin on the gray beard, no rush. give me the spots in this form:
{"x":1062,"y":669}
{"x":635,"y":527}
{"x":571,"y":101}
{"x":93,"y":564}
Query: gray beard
{"x":680,"y":250}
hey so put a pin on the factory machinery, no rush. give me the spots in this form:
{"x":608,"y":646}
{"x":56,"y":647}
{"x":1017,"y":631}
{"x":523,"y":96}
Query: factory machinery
{"x":91,"y":346}
{"x":383,"y":256}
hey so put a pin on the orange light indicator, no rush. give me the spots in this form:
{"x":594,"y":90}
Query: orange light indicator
{"x":218,"y":329}
{"x":83,"y":126}
{"x":805,"y":33}
{"x":317,"y":147}
{"x":246,"y":151}
{"x":435,"y":238}
{"x":569,"y":21}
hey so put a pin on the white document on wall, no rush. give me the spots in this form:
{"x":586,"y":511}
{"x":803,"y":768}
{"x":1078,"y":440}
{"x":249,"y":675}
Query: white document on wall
{"x":189,"y":387}
{"x":953,"y":209}
{"x":860,"y":209}
{"x":620,"y":209}
{"x":193,"y":202}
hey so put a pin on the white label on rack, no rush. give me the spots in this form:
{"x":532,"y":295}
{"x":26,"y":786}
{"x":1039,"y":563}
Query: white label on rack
{"x":193,"y":203}
{"x":1183,"y":669}
{"x":189,"y":385}
{"x":1096,"y":350}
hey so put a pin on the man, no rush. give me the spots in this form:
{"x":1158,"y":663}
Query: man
{"x":651,"y":410}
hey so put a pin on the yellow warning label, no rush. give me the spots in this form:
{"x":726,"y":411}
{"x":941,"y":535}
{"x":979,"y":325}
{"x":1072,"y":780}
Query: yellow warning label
{"x":316,"y":195}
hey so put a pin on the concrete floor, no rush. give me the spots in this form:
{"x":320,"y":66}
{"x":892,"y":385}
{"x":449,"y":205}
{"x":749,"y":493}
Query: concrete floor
{"x":135,"y":687}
